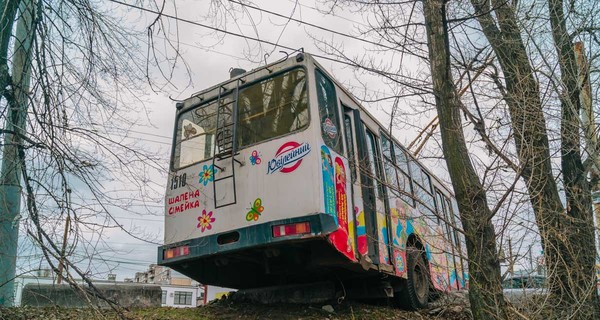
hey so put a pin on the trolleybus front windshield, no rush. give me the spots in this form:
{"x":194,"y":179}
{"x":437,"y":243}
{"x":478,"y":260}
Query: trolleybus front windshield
{"x":267,"y":109}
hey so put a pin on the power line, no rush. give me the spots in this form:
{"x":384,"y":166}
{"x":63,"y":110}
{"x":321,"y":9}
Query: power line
{"x":241,"y":58}
{"x":140,"y":219}
{"x":314,"y":25}
{"x":207,"y":26}
{"x":139,"y":138}
{"x":337,"y":60}
{"x":319,"y":11}
{"x":149,"y":134}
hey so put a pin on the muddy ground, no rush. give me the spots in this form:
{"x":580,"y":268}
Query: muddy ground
{"x":227,"y":309}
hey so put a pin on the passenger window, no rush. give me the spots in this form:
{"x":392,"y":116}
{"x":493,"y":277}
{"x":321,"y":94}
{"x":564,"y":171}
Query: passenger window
{"x":397,"y":180}
{"x":422,"y":189}
{"x":401,"y":160}
{"x":328,"y":111}
{"x":374,"y":163}
{"x":350,"y":146}
{"x":386,"y":148}
{"x":403,"y":175}
{"x":272,"y":108}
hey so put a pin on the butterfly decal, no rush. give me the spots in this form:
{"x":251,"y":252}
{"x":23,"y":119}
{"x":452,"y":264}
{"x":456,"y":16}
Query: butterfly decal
{"x":255,"y":211}
{"x":255,"y":158}
{"x":189,"y":131}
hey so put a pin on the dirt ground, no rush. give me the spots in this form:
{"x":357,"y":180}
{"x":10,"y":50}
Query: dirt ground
{"x":236,"y":310}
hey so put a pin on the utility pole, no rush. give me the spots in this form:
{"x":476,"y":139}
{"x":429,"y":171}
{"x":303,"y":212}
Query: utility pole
{"x":65,"y":238}
{"x":511,"y":258}
{"x":12,"y":153}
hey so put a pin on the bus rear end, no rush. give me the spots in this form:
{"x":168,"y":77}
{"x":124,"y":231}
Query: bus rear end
{"x":244,"y":202}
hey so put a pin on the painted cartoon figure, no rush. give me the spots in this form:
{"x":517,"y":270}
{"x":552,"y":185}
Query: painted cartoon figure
{"x":328,"y":183}
{"x":255,"y":211}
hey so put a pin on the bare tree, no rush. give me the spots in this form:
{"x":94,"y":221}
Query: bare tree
{"x":567,"y":234}
{"x":73,"y":145}
{"x":485,"y":290}
{"x":521,"y":76}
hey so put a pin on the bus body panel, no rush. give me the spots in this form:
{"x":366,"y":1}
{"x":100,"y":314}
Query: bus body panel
{"x":278,"y":195}
{"x":297,"y":178}
{"x":336,"y":187}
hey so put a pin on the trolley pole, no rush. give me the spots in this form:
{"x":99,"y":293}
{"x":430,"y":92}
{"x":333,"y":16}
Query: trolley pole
{"x":12,"y":153}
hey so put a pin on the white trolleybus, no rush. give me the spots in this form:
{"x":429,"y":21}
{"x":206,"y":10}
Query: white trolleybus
{"x":278,"y":176}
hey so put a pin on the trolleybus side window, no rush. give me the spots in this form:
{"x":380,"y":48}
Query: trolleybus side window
{"x":443,"y":216}
{"x":350,"y":144}
{"x":328,"y":110}
{"x":272,"y":107}
{"x":388,"y":167}
{"x":422,"y":189}
{"x":396,"y":170}
{"x":374,"y":163}
{"x":403,"y":175}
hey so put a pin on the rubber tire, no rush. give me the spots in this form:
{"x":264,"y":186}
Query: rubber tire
{"x":415,"y":294}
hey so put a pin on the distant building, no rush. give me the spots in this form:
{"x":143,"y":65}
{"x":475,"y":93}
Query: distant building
{"x":177,"y":290}
{"x":43,"y":283}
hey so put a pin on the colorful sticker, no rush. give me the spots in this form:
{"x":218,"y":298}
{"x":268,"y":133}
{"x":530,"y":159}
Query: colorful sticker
{"x":340,"y":238}
{"x":255,"y":211}
{"x":383,"y":238}
{"x":205,"y":221}
{"x":329,"y":128}
{"x":405,"y":221}
{"x":361,"y":231}
{"x":207,"y":174}
{"x":399,"y":262}
{"x":189,"y":131}
{"x":328,"y":185}
{"x":255,"y":158}
{"x":288,"y":157}
{"x":351,"y":233}
{"x":184,"y":201}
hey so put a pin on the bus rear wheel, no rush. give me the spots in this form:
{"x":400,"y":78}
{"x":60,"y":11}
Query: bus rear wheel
{"x":415,"y":293}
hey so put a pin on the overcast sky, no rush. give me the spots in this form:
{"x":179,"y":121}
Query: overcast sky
{"x":209,"y":55}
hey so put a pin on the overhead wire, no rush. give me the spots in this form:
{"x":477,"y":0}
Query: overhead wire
{"x":389,"y":75}
{"x":331,"y":13}
{"x":314,"y":25}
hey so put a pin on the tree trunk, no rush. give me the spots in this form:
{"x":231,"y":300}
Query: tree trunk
{"x":485,"y":290}
{"x":580,"y":221}
{"x":12,"y":151}
{"x":500,"y":26}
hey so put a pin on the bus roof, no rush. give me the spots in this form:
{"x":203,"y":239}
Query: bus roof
{"x":263,"y":71}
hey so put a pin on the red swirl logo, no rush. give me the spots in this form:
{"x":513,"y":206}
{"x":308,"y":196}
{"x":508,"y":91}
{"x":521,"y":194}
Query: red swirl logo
{"x":288,"y":157}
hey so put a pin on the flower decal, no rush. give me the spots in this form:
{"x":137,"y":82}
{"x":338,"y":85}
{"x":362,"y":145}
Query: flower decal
{"x":207,"y":174}
{"x":205,"y":221}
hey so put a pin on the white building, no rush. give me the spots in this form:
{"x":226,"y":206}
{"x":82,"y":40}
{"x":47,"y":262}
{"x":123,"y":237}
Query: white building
{"x":182,"y":296}
{"x":177,"y":291}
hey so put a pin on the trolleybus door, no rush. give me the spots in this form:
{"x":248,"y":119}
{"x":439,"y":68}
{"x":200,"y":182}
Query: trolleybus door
{"x":358,"y":236}
{"x":364,"y":190}
{"x":375,"y":173}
